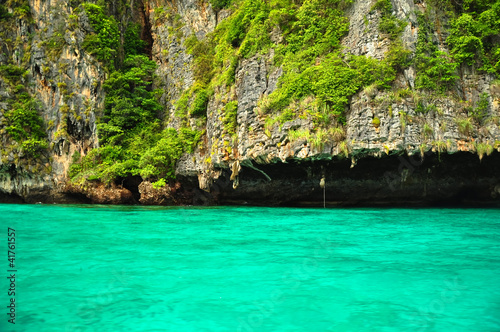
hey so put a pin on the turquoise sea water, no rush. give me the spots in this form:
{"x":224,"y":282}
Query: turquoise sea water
{"x":97,"y":268}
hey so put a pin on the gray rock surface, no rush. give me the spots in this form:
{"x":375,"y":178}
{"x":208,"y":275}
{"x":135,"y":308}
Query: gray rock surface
{"x":69,"y":86}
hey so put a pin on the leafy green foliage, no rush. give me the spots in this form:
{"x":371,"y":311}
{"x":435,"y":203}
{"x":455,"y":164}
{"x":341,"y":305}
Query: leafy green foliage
{"x":220,"y":4}
{"x":194,"y":102}
{"x":332,"y":82}
{"x":133,"y":44}
{"x":182,"y":104}
{"x":129,"y":99}
{"x":24,"y":124}
{"x":483,"y":149}
{"x":384,"y":6}
{"x":21,"y":9}
{"x":398,"y":57}
{"x":159,"y":160}
{"x":229,"y":121}
{"x":54,"y":44}
{"x":427,"y":131}
{"x":389,"y":24}
{"x":465,"y":126}
{"x":189,"y":138}
{"x":12,"y":72}
{"x":464,"y":40}
{"x":200,"y":103}
{"x":132,"y":141}
{"x":75,"y":166}
{"x":480,"y":112}
{"x":4,"y":13}
{"x":392,"y":26}
{"x":477,"y":6}
{"x":159,"y":184}
{"x":33,"y":147}
{"x":249,"y":28}
{"x":146,"y":151}
{"x":317,"y":30}
{"x":203,"y":69}
{"x":435,"y":68}
{"x":474,"y":35}
{"x":314,"y":68}
{"x":203,"y":52}
{"x":424,"y":107}
{"x":105,"y":40}
{"x":436,"y":72}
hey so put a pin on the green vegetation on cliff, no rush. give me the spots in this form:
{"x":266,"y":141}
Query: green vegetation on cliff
{"x":475,"y":35}
{"x":302,"y":38}
{"x":22,"y":128}
{"x":133,"y":141}
{"x":104,"y":42}
{"x":131,"y":136}
{"x":23,"y":122}
{"x":318,"y":77}
{"x":270,"y":80}
{"x":389,"y":24}
{"x":436,"y":71}
{"x":129,"y":103}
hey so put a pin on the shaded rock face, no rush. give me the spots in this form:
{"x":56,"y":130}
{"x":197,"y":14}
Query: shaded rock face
{"x":98,"y":193}
{"x":20,"y":187}
{"x":364,"y":37}
{"x":161,"y":196}
{"x":259,"y":164}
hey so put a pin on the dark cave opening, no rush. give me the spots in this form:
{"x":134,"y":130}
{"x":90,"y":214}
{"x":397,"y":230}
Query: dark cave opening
{"x":131,"y":183}
{"x":11,"y":198}
{"x":460,"y":179}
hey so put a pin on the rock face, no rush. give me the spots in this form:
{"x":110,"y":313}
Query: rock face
{"x":68,"y":84}
{"x":376,"y":160}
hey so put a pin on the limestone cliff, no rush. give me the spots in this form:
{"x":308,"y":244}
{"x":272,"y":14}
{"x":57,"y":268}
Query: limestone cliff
{"x":395,"y":144}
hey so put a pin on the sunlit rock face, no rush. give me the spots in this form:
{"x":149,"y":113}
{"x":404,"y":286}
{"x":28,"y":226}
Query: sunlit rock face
{"x":261,"y":163}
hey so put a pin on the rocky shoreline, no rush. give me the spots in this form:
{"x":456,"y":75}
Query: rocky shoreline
{"x":245,"y":154}
{"x":459,"y":179}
